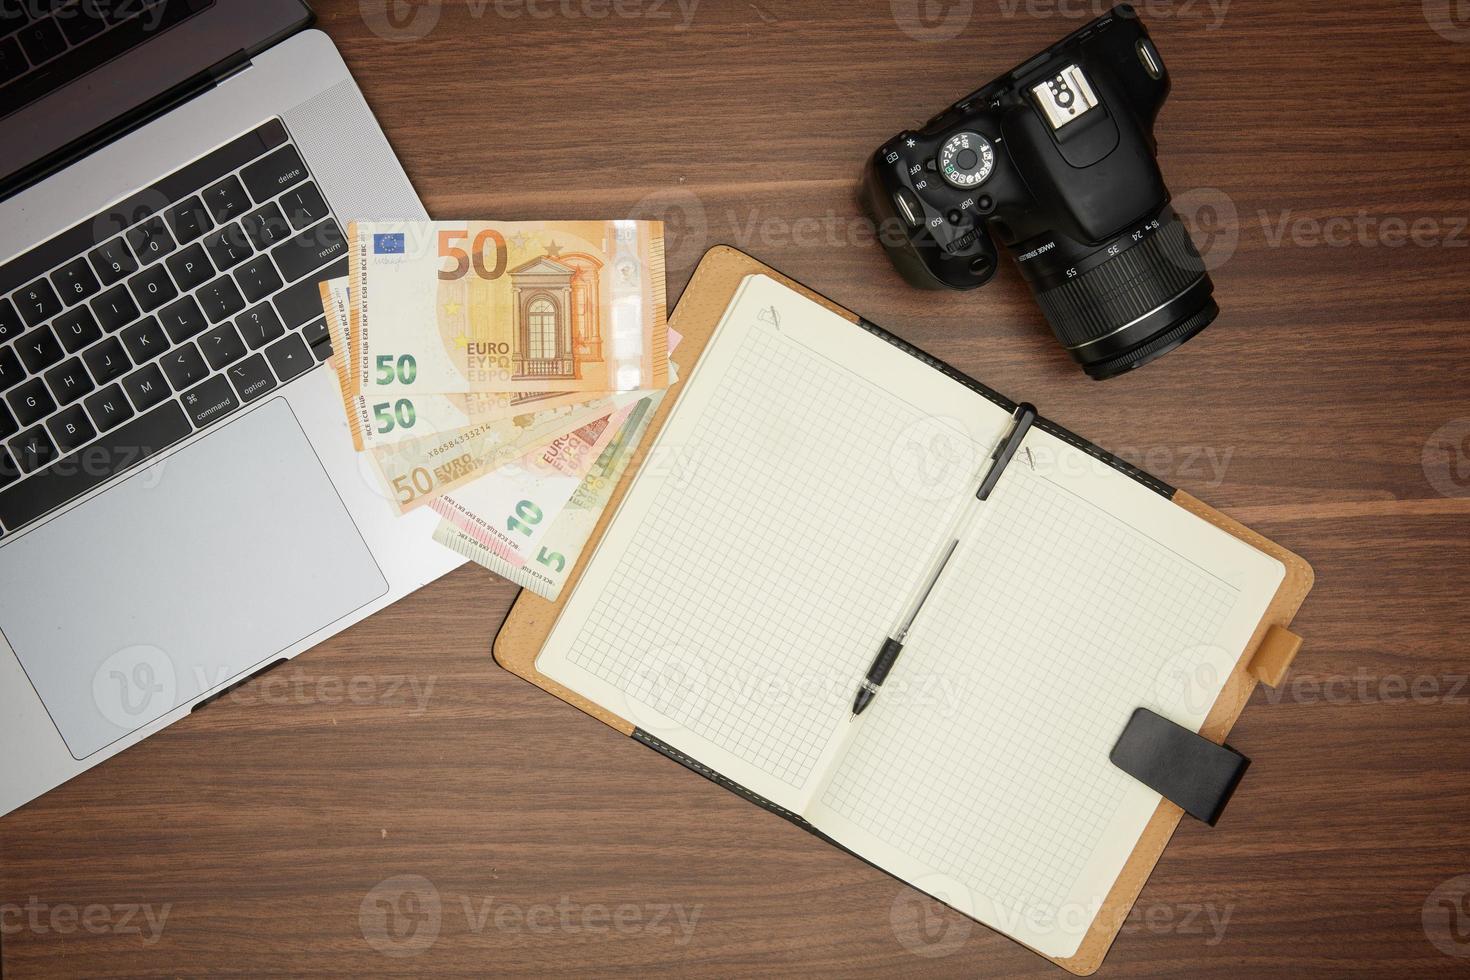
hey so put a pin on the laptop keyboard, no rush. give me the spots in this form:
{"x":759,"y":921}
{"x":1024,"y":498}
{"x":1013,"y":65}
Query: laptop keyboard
{"x":158,"y":318}
{"x":46,"y":43}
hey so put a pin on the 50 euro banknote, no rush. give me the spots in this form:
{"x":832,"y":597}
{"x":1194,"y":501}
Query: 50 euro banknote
{"x":420,"y":469}
{"x":393,"y":417}
{"x":506,"y":306}
{"x":548,"y":570}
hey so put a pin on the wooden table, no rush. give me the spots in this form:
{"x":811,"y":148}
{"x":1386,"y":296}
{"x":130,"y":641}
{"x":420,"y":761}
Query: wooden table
{"x":1320,"y":155}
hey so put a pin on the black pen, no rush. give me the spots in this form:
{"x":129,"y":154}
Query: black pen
{"x":887,"y":655}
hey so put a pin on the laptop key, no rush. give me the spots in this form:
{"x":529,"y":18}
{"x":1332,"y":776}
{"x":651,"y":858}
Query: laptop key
{"x":42,"y":40}
{"x":303,"y":302}
{"x":75,"y":281}
{"x":11,"y":372}
{"x":8,"y":425}
{"x":183,"y":320}
{"x":152,"y":288}
{"x":190,"y":267}
{"x":115,"y":308}
{"x":252,"y":378}
{"x":189,"y":220}
{"x":113,"y":261}
{"x":122,"y":448}
{"x":266,"y":226}
{"x":150,"y":241}
{"x":70,"y":429}
{"x":221,"y":299}
{"x":106,"y":361}
{"x":304,"y":205}
{"x":12,"y":61}
{"x":258,"y":279}
{"x":266,"y":178}
{"x":184,"y":367}
{"x":226,"y":200}
{"x":317,"y":338}
{"x":9,"y":469}
{"x":109,"y":408}
{"x":260,"y":325}
{"x":222,"y":346}
{"x":146,"y":387}
{"x":10,"y":322}
{"x":145,"y":340}
{"x":290,"y":357}
{"x":39,"y":349}
{"x":210,"y":402}
{"x":32,"y":449}
{"x":69,"y":381}
{"x":38,"y":302}
{"x":31,"y":402}
{"x":82,"y":22}
{"x":309,"y":250}
{"x":77,"y":328}
{"x":228,"y":246}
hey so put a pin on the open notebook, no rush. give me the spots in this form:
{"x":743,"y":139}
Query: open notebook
{"x":790,"y":506}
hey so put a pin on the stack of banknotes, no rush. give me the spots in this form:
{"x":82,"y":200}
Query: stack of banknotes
{"x":502,"y":374}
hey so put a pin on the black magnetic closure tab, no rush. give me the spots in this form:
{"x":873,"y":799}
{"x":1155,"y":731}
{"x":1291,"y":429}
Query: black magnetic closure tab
{"x":1180,"y":765}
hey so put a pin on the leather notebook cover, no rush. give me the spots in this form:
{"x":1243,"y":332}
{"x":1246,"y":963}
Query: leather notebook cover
{"x":1267,"y":656}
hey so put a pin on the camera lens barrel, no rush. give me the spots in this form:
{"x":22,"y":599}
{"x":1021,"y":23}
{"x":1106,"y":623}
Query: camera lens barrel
{"x":1127,"y":302}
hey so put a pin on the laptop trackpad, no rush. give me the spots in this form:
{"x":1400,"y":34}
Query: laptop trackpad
{"x":187,"y":575}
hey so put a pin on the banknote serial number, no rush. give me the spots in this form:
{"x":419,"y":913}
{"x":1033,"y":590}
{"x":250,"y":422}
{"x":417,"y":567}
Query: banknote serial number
{"x":475,"y":257}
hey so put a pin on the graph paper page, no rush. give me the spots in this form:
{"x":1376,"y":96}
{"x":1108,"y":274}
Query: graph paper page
{"x":766,"y":547}
{"x":1078,"y":597}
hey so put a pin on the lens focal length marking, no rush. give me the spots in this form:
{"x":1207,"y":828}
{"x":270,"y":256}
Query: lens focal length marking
{"x":966,"y":160}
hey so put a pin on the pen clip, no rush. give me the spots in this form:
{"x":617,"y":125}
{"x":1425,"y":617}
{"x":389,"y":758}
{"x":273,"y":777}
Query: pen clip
{"x":1021,"y":423}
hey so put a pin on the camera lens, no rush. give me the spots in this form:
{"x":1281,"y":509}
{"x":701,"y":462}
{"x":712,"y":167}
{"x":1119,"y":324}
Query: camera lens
{"x":1128,"y":302}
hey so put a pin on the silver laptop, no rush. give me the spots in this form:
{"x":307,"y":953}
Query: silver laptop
{"x":180,"y":504}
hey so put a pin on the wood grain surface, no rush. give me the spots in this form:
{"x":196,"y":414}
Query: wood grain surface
{"x":1319,"y":151}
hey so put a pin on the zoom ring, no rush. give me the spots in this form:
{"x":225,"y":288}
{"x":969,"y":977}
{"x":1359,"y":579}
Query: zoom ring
{"x":1131,"y":285}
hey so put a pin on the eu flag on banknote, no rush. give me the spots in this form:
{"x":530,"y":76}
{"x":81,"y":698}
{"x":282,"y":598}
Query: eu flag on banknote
{"x":387,"y":244}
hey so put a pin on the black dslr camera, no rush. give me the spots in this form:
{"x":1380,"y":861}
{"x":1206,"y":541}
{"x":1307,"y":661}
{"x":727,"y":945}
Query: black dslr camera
{"x":1056,"y":160}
